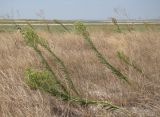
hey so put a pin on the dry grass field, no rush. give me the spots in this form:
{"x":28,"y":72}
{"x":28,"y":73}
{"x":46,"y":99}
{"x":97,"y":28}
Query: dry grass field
{"x":91,"y":78}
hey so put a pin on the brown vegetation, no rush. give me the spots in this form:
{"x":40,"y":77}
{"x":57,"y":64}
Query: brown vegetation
{"x":91,"y":78}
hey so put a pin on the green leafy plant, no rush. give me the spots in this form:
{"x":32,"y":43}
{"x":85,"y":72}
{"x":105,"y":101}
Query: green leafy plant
{"x":81,"y":29}
{"x":43,"y":80}
{"x":46,"y":80}
{"x":33,"y":40}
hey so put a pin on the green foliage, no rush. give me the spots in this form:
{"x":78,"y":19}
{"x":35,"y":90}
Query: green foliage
{"x":81,"y":29}
{"x":32,"y":39}
{"x":38,"y":78}
{"x":43,"y":80}
{"x":123,"y":57}
{"x":64,"y":70}
{"x":47,"y":80}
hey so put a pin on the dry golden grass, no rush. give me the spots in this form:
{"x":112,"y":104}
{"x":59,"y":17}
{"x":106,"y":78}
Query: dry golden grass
{"x":90,"y":77}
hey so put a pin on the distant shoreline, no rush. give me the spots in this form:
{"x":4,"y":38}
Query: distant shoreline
{"x":70,"y":24}
{"x":72,"y":21}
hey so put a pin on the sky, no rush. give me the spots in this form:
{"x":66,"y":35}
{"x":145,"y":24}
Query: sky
{"x":80,"y":9}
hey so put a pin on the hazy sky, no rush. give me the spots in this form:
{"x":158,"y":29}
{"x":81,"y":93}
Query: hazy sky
{"x":80,"y":9}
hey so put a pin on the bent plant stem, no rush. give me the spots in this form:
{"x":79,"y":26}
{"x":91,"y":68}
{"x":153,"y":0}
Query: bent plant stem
{"x":103,"y":60}
{"x":64,"y":69}
{"x":81,"y":29}
{"x":104,"y":104}
{"x":33,"y":40}
{"x":49,"y":68}
{"x":96,"y":102}
{"x":62,"y":25}
{"x":43,"y":81}
{"x":126,"y":60}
